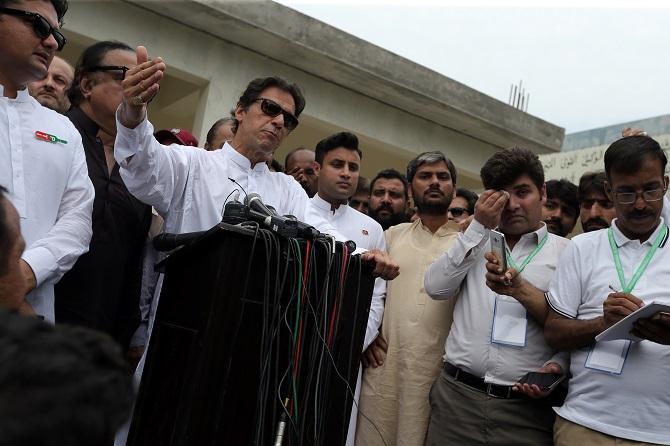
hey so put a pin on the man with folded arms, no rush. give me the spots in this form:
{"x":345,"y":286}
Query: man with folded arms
{"x":618,"y":390}
{"x":495,"y":339}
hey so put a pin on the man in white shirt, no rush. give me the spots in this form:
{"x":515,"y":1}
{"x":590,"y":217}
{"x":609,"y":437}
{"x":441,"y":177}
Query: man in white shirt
{"x":618,"y":390}
{"x":190,"y":187}
{"x":43,"y":164}
{"x":495,"y":339}
{"x":337,"y":165}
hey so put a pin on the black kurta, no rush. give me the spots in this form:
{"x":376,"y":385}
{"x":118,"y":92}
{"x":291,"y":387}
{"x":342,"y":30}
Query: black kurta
{"x":102,"y":290}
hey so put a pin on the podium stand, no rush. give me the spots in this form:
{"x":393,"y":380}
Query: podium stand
{"x":253,"y":329}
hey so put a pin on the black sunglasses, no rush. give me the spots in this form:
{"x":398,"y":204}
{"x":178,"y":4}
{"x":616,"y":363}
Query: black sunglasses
{"x":457,"y":212}
{"x":121,"y":68}
{"x":271,"y":108}
{"x":41,"y":26}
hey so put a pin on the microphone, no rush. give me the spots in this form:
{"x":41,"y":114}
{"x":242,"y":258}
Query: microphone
{"x":255,"y":202}
{"x":168,"y":241}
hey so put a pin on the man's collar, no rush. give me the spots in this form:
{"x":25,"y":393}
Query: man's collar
{"x":83,"y":121}
{"x":21,"y":95}
{"x":620,"y":239}
{"x":326,"y":206}
{"x":242,"y":160}
{"x":536,"y":235}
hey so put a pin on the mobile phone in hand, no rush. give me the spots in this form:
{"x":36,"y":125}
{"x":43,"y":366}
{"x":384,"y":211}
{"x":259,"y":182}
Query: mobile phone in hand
{"x":497,"y":240}
{"x":545,"y":381}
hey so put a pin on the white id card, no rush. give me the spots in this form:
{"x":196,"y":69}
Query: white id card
{"x":608,"y":356}
{"x":509,"y":322}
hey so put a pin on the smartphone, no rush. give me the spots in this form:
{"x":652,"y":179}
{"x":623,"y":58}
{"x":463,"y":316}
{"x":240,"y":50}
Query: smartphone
{"x":498,"y":248}
{"x":545,"y":381}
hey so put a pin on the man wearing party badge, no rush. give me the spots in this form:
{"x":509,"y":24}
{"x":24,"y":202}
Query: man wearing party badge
{"x":496,"y":339}
{"x":618,"y":390}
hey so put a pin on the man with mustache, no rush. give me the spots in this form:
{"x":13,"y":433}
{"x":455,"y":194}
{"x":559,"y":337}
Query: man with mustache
{"x":52,"y":91}
{"x":561,"y":208}
{"x":405,"y":358}
{"x":495,"y":339}
{"x":596,"y":210}
{"x":617,"y":391}
{"x":389,"y":198}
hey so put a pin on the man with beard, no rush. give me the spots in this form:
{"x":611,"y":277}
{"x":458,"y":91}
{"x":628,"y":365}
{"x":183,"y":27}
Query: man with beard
{"x":596,"y":210}
{"x":389,"y":198}
{"x":495,"y":339}
{"x":52,"y":91}
{"x":405,"y":358}
{"x":561,"y":208}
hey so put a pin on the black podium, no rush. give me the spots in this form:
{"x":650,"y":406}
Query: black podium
{"x":253,"y":330}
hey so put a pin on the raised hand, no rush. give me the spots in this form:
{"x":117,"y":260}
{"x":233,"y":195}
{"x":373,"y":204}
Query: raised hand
{"x":489,"y":207}
{"x":140,"y":85}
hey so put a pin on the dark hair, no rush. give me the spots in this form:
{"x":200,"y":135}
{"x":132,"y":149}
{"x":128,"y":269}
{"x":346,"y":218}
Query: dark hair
{"x":391,"y":174}
{"x":343,"y":139}
{"x":59,"y":5}
{"x":6,"y":236}
{"x":430,"y":158}
{"x":363,"y":186}
{"x":89,"y":59}
{"x":469,"y":196}
{"x":626,"y":155}
{"x":591,"y":182}
{"x":258,"y":85}
{"x":564,"y":191}
{"x":506,"y":165}
{"x":276,"y":165}
{"x":293,"y":152}
{"x":60,"y":385}
{"x":211,"y":134}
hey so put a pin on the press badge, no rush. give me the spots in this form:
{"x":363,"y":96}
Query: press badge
{"x":608,"y":356}
{"x":509,"y":322}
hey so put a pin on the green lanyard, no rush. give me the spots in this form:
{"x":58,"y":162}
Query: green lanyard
{"x":627,"y":288}
{"x":530,"y":256}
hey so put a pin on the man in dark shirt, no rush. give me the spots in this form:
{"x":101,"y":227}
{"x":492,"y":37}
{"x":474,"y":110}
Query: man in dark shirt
{"x":102,"y":289}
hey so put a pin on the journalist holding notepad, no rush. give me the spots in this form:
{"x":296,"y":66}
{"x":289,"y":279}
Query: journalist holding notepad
{"x":618,"y":392}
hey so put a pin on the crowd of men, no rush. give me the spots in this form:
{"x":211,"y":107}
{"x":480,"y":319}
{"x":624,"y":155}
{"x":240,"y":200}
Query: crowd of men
{"x":86,"y":181}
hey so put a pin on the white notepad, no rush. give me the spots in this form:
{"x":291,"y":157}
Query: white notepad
{"x":621,"y":330}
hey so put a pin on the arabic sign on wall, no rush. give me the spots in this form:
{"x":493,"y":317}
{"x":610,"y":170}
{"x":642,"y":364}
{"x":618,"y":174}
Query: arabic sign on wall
{"x":572,"y":165}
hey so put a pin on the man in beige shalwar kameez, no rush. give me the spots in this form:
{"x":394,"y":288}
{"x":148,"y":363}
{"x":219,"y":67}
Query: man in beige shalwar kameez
{"x":405,"y":359}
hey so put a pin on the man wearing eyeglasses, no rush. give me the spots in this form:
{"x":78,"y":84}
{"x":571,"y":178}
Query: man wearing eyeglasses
{"x":43,"y":165}
{"x":463,"y":205}
{"x":102,"y":290}
{"x":617,"y":392}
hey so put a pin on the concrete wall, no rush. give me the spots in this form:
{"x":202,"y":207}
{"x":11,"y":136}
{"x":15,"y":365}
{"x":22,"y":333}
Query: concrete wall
{"x":207,"y":72}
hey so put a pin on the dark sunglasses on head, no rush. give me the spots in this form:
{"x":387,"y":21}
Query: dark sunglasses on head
{"x":457,"y":212}
{"x":121,"y":68}
{"x":271,"y":108}
{"x":41,"y":26}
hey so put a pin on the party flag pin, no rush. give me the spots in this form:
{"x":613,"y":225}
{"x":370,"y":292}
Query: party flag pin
{"x":49,"y":138}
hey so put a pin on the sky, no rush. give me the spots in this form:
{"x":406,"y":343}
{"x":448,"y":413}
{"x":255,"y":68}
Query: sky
{"x":584,"y":64}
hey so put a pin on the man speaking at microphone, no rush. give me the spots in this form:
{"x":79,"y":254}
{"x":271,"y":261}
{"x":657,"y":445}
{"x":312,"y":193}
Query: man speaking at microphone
{"x":189,"y":187}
